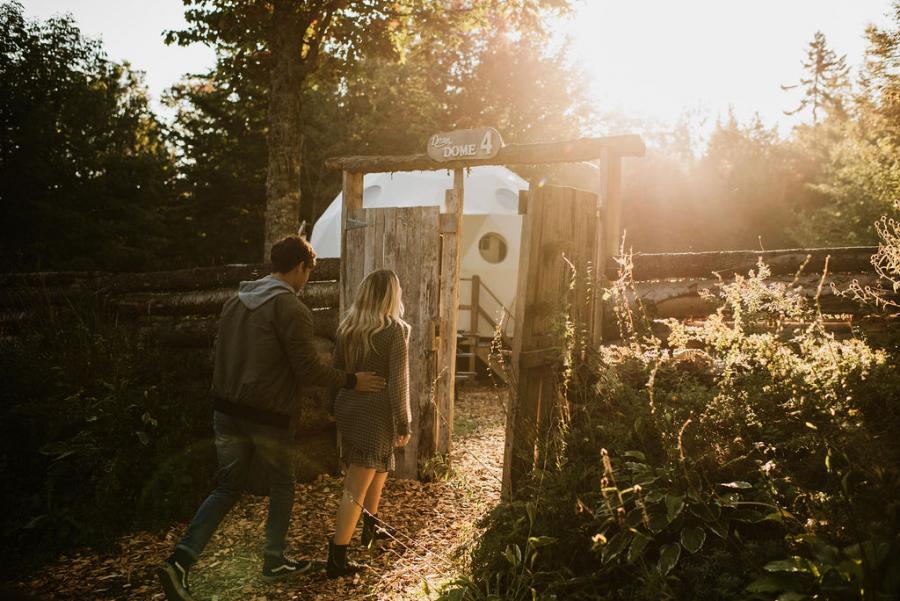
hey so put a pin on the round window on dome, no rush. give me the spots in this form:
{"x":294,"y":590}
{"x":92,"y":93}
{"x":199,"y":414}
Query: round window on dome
{"x":492,"y":247}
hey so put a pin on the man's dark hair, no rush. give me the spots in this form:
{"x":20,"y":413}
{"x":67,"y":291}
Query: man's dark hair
{"x":291,"y":251}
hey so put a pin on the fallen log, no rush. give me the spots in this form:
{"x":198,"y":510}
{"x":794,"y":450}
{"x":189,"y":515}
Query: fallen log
{"x":31,"y":298}
{"x":200,"y":333}
{"x":202,"y":278}
{"x":841,"y":328}
{"x":683,"y":298}
{"x":83,"y":279}
{"x":662,"y":266}
{"x":209,"y":302}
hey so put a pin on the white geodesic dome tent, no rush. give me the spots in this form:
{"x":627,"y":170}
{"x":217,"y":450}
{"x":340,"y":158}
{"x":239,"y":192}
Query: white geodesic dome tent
{"x":491,"y":224}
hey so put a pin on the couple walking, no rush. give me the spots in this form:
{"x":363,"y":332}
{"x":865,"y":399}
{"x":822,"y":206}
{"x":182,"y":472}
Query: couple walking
{"x":264,"y":354}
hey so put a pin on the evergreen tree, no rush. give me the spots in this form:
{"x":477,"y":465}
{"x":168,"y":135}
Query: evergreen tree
{"x":84,"y":170}
{"x":880,"y":79}
{"x":827,"y":80}
{"x":855,"y":178}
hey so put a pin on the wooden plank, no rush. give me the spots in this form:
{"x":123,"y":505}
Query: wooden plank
{"x":598,"y":281}
{"x":403,"y":228}
{"x":447,"y":318}
{"x":613,"y":203}
{"x":407,"y":458}
{"x":475,"y":312}
{"x":572,"y":151}
{"x":521,"y":413}
{"x":351,"y":198}
{"x":381,"y":224}
{"x":353,"y":266}
{"x":547,"y":415}
{"x":453,"y":313}
{"x":587,"y":288}
{"x":559,"y":241}
{"x":371,"y":246}
{"x":448,"y":223}
{"x":521,"y":433}
{"x":426,"y":231}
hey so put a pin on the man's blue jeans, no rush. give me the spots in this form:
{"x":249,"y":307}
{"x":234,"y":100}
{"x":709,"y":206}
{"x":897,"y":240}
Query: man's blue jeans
{"x":236,"y":442}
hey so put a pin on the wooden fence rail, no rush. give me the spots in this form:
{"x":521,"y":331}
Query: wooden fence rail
{"x":178,"y":309}
{"x":659,"y":266}
{"x":674,"y":284}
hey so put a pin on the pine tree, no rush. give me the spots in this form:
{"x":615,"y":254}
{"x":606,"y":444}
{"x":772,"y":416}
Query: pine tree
{"x":827,"y":81}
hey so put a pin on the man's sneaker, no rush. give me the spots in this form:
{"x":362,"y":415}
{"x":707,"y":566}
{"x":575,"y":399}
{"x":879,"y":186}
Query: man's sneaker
{"x":173,"y":575}
{"x":279,"y":568}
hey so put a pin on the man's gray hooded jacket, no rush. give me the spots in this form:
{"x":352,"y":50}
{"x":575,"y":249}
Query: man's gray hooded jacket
{"x":265,"y":351}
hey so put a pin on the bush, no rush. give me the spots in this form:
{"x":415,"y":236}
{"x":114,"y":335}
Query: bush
{"x":752,"y":456}
{"x":99,"y":432}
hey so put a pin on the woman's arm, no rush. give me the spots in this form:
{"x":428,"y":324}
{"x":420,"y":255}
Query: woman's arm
{"x":398,"y":380}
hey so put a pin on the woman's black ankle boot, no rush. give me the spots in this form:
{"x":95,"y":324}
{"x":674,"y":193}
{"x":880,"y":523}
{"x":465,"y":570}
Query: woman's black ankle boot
{"x":338,"y":565}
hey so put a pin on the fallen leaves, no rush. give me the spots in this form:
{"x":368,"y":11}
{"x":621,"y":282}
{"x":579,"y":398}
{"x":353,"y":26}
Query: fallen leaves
{"x":434,"y":522}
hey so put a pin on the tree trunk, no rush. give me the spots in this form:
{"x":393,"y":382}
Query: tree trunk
{"x":284,"y":136}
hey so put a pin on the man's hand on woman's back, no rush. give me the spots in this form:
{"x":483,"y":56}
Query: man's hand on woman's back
{"x":369,"y":381}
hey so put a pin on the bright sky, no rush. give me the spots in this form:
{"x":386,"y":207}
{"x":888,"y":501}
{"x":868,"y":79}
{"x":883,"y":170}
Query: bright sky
{"x":651,"y":58}
{"x":658,"y":58}
{"x":132,"y":30}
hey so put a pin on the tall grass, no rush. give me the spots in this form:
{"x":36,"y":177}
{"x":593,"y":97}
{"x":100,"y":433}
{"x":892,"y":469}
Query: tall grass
{"x":753,"y":455}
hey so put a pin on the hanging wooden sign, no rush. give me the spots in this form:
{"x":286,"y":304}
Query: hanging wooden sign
{"x":480,"y":143}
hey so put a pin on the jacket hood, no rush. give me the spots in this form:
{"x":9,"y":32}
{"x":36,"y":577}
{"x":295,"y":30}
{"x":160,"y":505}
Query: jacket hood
{"x":258,"y":292}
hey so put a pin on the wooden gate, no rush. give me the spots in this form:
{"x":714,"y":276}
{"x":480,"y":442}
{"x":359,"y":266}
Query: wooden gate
{"x":409,"y":241}
{"x":558,"y":297}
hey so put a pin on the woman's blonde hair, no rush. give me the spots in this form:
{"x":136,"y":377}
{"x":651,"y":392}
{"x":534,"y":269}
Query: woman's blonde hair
{"x":376,"y":306}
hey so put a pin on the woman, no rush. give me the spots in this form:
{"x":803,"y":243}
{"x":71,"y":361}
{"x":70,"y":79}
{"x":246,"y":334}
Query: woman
{"x":371,"y":337}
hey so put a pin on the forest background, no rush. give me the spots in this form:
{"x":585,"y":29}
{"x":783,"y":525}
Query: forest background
{"x":93,"y":178}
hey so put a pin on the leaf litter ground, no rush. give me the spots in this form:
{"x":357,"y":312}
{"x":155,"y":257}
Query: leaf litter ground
{"x":435,"y":523}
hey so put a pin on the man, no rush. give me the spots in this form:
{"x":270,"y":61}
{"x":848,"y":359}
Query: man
{"x":264,"y":354}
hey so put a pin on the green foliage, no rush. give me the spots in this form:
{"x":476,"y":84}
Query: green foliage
{"x":855,"y":153}
{"x":99,"y":433}
{"x":219,"y":138}
{"x":749,"y":456}
{"x":84,"y":171}
{"x":379,"y":104}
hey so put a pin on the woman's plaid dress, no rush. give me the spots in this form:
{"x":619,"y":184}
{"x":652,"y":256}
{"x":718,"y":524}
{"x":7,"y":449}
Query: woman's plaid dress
{"x":369,"y":421}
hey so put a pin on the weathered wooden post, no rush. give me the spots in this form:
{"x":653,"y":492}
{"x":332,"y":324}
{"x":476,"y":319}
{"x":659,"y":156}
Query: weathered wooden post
{"x":473,"y":320}
{"x":611,"y":196}
{"x":559,"y":241}
{"x":445,"y":389}
{"x":351,"y":198}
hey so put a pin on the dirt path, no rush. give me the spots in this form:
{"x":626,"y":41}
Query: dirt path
{"x":434,"y":520}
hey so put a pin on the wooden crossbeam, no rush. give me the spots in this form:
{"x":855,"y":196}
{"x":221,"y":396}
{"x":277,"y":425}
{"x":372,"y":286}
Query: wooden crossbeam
{"x":571,"y":151}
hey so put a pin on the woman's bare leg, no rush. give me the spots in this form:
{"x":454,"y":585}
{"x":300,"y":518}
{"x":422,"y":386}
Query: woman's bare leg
{"x":356,"y":485}
{"x":373,"y":495}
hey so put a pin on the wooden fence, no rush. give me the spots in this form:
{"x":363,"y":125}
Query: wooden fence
{"x":179,"y":309}
{"x":671,"y":284}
